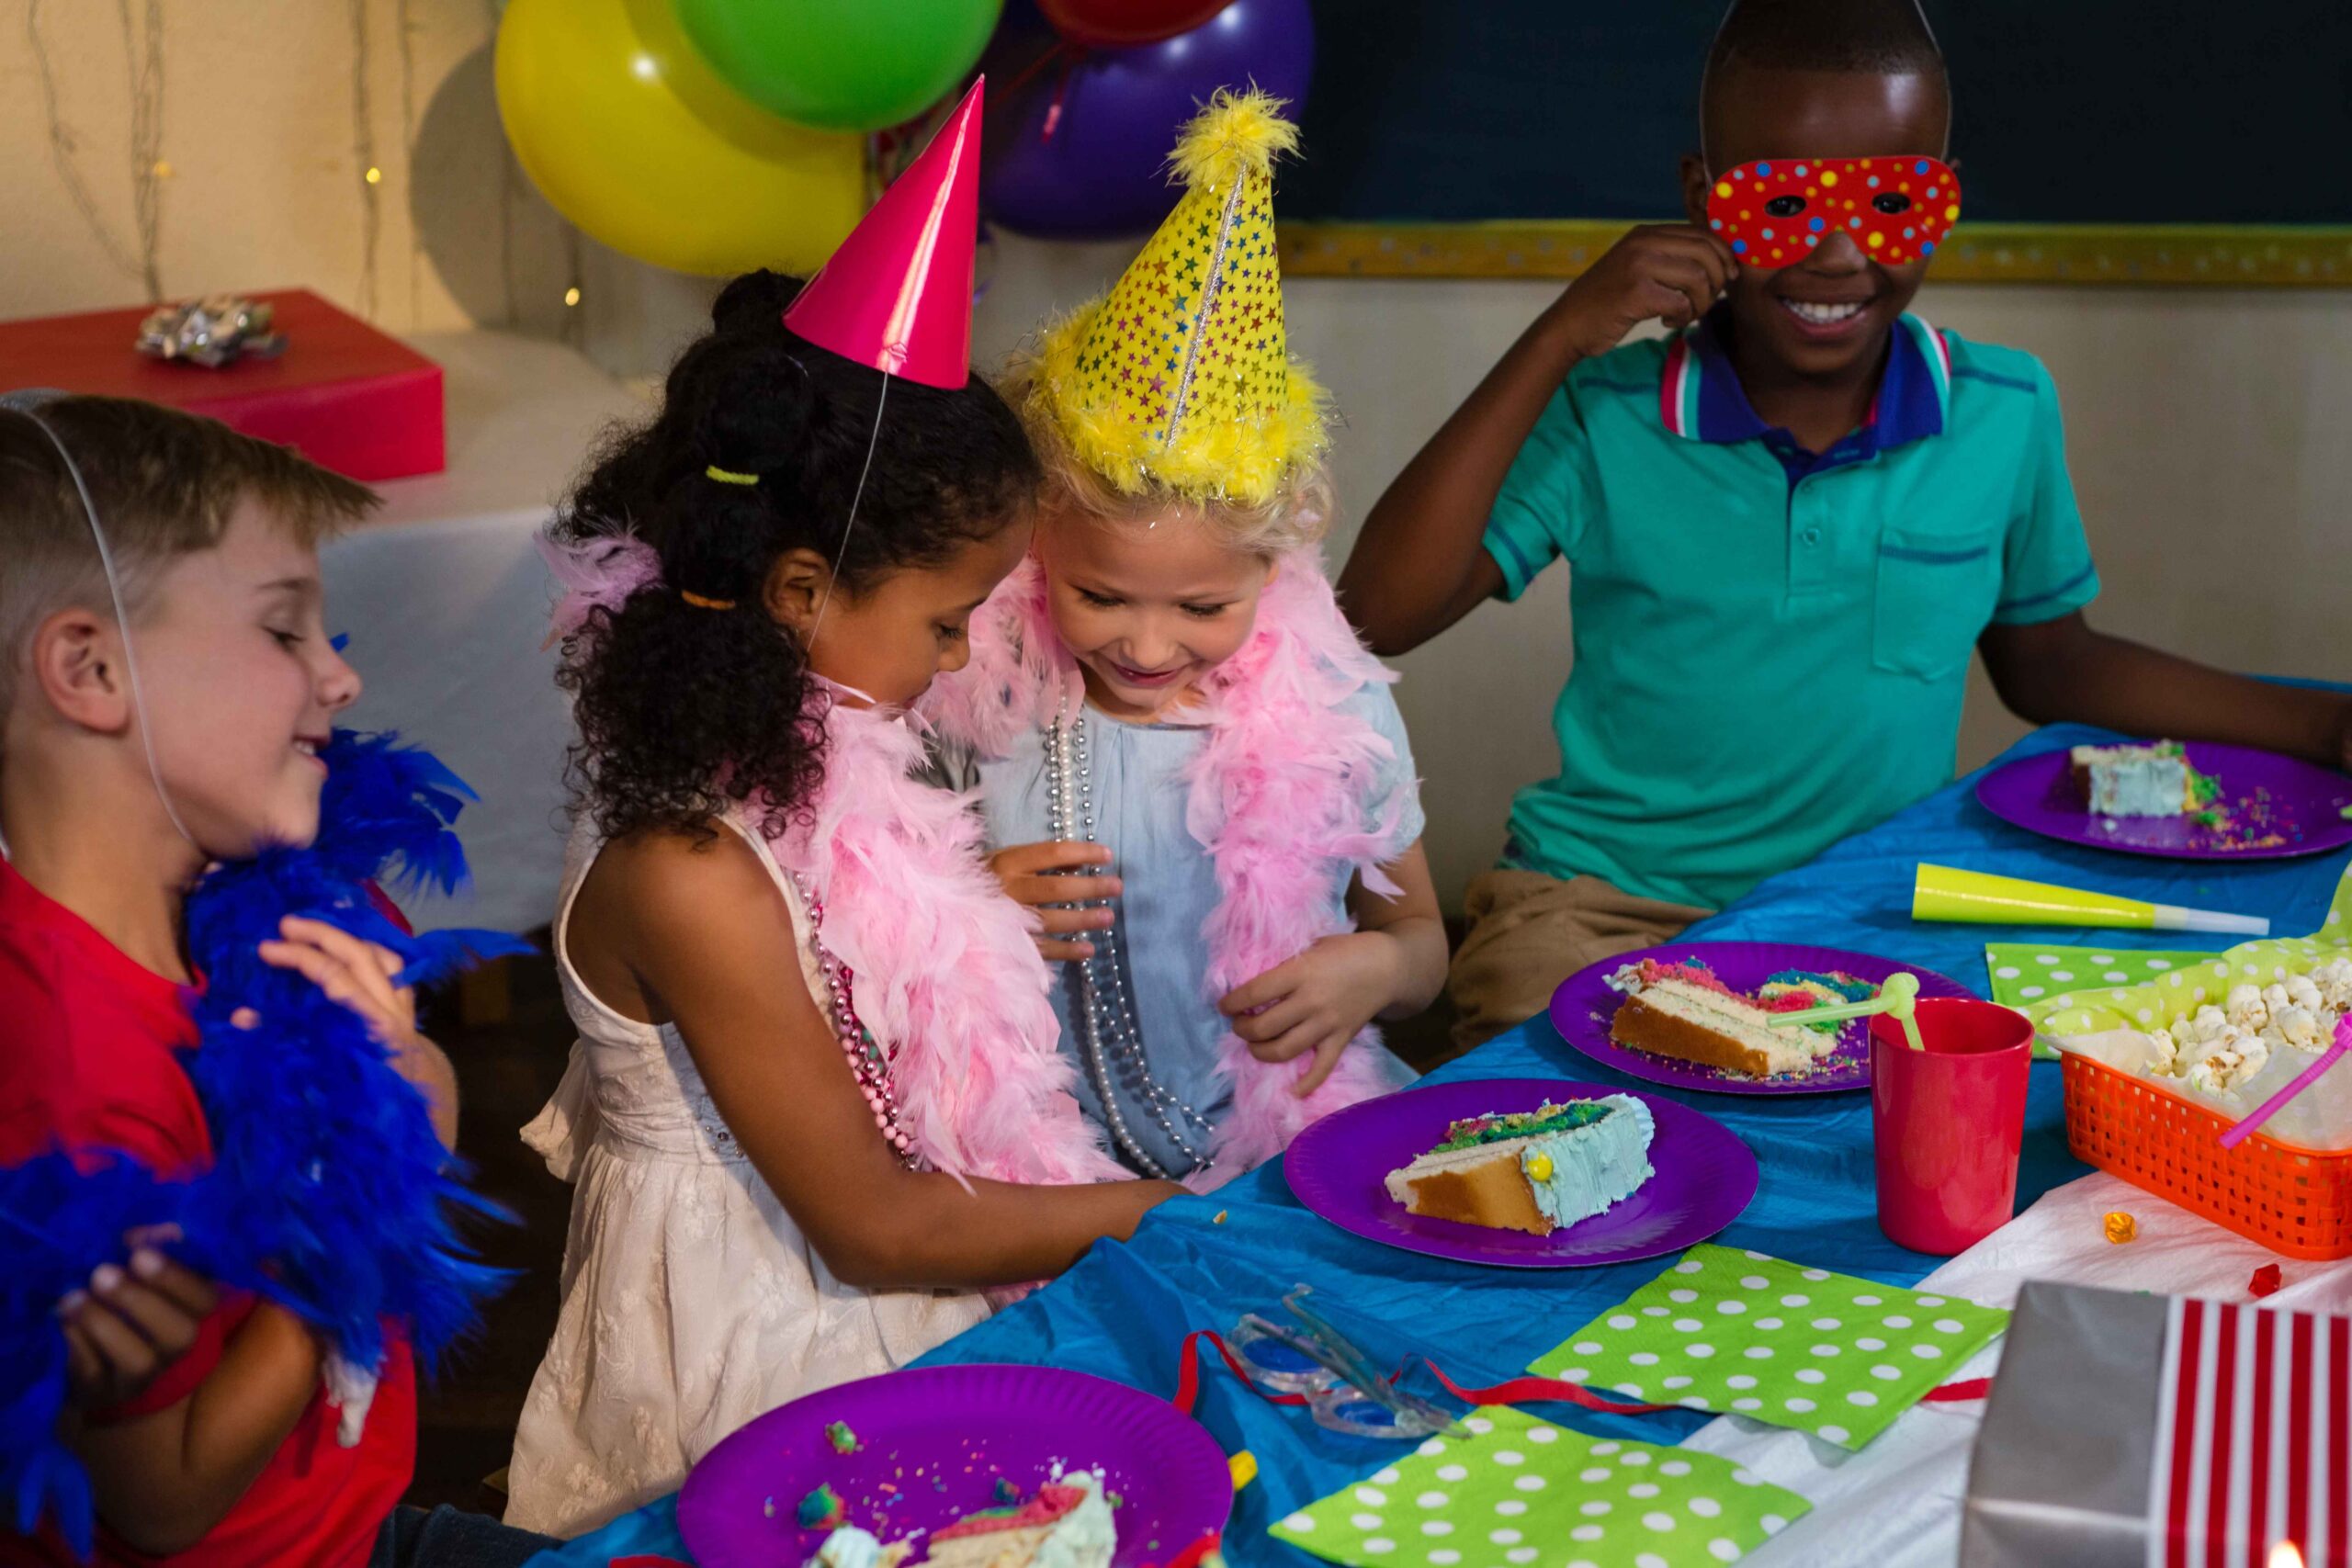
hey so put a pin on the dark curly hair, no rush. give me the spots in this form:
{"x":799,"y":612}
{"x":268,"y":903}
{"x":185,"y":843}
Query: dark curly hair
{"x":682,"y":709}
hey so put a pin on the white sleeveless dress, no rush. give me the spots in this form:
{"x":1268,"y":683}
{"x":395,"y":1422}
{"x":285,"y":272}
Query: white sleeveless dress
{"x":691,"y":1301}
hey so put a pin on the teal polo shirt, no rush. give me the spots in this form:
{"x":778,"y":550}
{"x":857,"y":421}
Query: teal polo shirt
{"x":1771,"y":644}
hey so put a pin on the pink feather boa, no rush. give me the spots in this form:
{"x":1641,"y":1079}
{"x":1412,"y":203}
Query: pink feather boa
{"x":1277,"y":799}
{"x":942,"y":962}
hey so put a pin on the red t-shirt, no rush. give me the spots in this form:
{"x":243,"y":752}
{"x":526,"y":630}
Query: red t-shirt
{"x":88,"y":1064}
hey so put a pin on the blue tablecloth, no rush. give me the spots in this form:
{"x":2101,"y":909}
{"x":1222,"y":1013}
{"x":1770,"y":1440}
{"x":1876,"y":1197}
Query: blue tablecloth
{"x":1201,"y":1263}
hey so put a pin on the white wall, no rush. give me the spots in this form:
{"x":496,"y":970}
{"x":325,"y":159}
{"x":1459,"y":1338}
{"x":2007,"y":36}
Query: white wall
{"x":2208,"y":427}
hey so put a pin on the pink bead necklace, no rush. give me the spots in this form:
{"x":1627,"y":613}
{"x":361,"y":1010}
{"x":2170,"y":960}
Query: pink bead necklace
{"x":868,"y":1063}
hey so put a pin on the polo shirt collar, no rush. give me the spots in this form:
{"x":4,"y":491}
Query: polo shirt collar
{"x":1699,"y":397}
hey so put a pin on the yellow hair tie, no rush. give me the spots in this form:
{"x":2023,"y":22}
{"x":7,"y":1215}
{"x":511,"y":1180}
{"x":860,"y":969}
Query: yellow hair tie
{"x":699,"y":603}
{"x":728,"y":477}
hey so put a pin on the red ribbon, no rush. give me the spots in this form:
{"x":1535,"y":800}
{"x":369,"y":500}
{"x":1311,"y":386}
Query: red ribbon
{"x":1520,"y":1391}
{"x":1188,"y":1374}
{"x":1515,"y":1391}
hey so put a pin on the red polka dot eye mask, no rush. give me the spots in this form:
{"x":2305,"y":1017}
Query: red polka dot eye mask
{"x":1775,"y":210}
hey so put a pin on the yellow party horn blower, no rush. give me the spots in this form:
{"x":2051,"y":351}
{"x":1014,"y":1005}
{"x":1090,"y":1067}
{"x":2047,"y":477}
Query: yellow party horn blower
{"x":1181,"y":376}
{"x":1948,"y":893}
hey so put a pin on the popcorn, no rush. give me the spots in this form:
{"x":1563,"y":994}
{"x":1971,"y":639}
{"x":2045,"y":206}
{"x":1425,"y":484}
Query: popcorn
{"x":2220,"y":1049}
{"x":2298,"y":1027}
{"x":2228,"y":1061}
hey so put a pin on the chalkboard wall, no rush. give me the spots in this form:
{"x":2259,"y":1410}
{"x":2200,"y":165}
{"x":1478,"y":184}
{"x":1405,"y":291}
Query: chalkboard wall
{"x":2068,"y":111}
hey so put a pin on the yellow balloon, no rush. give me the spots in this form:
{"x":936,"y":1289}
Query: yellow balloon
{"x":630,"y":136}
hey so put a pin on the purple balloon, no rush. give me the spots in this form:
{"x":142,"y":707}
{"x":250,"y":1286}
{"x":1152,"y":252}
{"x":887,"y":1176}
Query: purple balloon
{"x":1102,"y":170}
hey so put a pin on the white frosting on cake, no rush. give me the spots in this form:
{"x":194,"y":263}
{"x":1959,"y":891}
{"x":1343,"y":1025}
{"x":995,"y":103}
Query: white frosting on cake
{"x":2135,"y":781}
{"x":850,"y":1547}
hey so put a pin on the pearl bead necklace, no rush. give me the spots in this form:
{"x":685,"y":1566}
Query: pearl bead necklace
{"x":867,"y":1061}
{"x":1102,"y":990}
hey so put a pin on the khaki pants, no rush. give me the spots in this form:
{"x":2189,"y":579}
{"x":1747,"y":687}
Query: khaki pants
{"x":1528,"y":932}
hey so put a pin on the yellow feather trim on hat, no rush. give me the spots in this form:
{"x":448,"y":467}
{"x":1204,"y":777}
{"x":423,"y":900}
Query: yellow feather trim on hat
{"x":1241,"y":460}
{"x":1236,"y":134}
{"x":1181,"y":376}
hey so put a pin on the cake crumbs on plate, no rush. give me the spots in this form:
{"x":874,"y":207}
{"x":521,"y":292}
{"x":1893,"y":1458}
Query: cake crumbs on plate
{"x":822,"y":1509}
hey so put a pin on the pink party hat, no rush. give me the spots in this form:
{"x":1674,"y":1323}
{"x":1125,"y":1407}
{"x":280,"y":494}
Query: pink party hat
{"x":898,"y":294}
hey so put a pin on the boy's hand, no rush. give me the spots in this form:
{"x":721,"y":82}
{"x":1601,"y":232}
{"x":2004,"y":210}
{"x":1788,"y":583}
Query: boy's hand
{"x":1668,"y":272}
{"x":129,"y":1324}
{"x":359,"y":974}
{"x":356,"y":974}
{"x":1027,"y":872}
{"x":1318,"y":1001}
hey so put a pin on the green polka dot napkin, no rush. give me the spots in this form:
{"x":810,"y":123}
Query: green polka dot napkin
{"x":2024,"y":974}
{"x":1742,"y":1334}
{"x":1520,"y":1491}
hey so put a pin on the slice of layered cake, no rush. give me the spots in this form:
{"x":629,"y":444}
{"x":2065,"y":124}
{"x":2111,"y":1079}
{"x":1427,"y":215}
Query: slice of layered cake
{"x":1533,"y":1170}
{"x":1066,"y":1525}
{"x":850,"y":1547}
{"x":1685,"y":1011}
{"x":2154,"y":780}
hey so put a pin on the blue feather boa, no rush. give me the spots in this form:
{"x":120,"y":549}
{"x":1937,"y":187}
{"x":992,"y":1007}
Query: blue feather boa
{"x":330,"y":1193}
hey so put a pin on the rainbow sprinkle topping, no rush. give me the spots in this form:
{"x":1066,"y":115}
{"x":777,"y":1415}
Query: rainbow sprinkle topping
{"x":1791,"y":990}
{"x":1473,"y":1131}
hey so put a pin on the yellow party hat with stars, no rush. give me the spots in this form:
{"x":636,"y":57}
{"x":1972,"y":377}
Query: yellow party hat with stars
{"x":1181,"y":376}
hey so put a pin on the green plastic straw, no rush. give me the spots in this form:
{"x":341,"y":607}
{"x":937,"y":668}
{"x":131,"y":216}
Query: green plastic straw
{"x":1899,"y":997}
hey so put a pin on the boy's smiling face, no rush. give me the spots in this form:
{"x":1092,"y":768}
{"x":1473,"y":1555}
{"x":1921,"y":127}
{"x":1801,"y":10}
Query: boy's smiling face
{"x":242,"y":685}
{"x":1827,"y":315}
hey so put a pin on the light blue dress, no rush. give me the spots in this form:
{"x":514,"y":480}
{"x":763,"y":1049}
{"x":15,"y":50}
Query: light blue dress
{"x":1170,"y":891}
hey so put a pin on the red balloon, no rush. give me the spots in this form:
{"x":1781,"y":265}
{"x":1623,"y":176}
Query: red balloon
{"x":1122,"y":23}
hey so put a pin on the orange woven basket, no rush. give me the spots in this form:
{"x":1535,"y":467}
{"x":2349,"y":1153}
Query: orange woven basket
{"x":2293,"y":1199}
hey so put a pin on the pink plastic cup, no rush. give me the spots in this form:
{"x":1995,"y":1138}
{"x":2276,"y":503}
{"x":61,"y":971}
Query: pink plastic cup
{"x":1947,"y":1121}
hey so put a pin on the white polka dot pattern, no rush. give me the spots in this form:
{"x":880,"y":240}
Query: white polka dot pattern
{"x":1523,"y":1493}
{"x":1860,"y":1356}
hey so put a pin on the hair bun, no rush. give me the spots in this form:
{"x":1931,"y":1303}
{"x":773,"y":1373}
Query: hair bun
{"x":758,"y":418}
{"x":755,"y":300}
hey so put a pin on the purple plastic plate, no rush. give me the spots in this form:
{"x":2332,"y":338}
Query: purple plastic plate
{"x":1339,"y":1168}
{"x":1582,"y":1008}
{"x":932,"y":1443}
{"x":2278,"y":806}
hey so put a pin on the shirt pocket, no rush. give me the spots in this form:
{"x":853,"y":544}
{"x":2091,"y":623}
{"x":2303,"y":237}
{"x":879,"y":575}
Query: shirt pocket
{"x":1935,"y":596}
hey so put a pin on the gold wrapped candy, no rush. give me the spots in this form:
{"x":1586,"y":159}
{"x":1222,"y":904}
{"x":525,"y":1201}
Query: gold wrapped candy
{"x":2121,"y":1227}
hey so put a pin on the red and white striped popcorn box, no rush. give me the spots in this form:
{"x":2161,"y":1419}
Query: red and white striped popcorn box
{"x":2138,"y":1431}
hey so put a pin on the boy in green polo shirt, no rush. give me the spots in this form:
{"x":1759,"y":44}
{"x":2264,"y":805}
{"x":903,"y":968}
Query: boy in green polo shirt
{"x":1788,"y":524}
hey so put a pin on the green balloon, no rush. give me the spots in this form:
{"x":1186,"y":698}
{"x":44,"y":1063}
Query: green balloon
{"x":841,"y":64}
